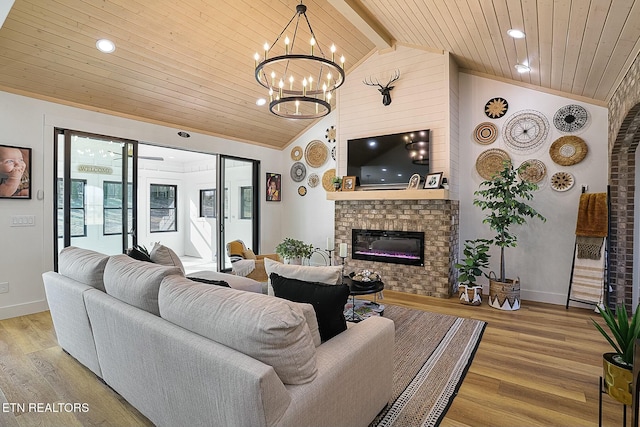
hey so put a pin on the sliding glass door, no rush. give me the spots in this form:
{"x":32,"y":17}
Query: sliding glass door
{"x":95,"y":188}
{"x":239,"y":205}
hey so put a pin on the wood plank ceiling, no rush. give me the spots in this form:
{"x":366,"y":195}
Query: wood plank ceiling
{"x":189,"y":63}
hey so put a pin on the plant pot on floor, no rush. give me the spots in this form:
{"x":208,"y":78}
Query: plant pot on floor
{"x":618,"y":378}
{"x":470,"y":295}
{"x":504,"y":295}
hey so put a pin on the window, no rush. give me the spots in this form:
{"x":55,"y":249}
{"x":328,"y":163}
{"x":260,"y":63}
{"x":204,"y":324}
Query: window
{"x":112,"y":207}
{"x":246,"y":202}
{"x":163,"y":208}
{"x":77,"y":211}
{"x":208,"y":203}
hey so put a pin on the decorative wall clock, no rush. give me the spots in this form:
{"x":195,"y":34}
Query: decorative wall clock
{"x":562,"y":181}
{"x":331,"y":134}
{"x":526,"y":131}
{"x":496,"y":108}
{"x":298,"y":171}
{"x":485,"y":133}
{"x":570,"y":118}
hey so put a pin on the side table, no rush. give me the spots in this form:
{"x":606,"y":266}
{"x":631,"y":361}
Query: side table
{"x":357,"y":288}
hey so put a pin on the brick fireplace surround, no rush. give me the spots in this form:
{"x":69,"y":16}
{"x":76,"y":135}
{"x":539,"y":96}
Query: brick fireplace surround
{"x":437,"y":218}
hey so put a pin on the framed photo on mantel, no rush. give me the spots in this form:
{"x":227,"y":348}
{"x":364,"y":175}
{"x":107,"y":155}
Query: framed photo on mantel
{"x":433,"y":180}
{"x":348,"y":183}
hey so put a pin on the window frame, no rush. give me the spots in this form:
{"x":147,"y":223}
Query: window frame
{"x":246,"y":206}
{"x":174,"y":208}
{"x":60,"y":182}
{"x":212,"y":198}
{"x":105,"y":208}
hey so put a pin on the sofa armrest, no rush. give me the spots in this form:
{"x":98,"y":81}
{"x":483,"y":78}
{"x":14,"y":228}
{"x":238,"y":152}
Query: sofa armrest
{"x":354,"y":382}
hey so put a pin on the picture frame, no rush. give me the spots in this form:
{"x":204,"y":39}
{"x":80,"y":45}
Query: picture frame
{"x":273,"y":188}
{"x":15,"y":172}
{"x":433,"y":180}
{"x":414,"y":182}
{"x":348,"y":183}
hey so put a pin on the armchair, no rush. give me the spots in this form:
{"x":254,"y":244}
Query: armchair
{"x":247,"y":264}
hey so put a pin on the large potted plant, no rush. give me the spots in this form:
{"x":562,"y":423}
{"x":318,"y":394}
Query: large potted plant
{"x":503,"y":197}
{"x":294,"y":251}
{"x":476,"y":259}
{"x":617,"y":366}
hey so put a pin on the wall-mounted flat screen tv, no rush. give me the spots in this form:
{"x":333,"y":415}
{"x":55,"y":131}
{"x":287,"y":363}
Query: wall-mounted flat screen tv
{"x":388,"y":161}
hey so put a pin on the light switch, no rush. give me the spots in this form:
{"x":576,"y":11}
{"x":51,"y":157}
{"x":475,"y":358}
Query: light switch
{"x":23,"y":221}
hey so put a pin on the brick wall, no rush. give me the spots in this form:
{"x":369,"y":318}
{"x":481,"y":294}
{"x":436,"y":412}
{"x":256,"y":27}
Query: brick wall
{"x":624,"y":135}
{"x":437,"y":218}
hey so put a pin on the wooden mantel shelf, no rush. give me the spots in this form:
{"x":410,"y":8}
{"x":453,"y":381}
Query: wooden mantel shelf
{"x":438,"y":194}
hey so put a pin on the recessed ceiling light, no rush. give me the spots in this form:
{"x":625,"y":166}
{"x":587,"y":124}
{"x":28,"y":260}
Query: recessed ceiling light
{"x":106,"y":46}
{"x":516,"y":34}
{"x":261,"y":101}
{"x":184,"y":134}
{"x":522,"y":68}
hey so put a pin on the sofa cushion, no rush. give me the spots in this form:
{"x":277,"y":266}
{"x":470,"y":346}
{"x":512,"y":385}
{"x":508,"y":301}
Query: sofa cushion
{"x":328,"y":301}
{"x":136,"y":282}
{"x":161,"y":254}
{"x":260,"y":326}
{"x":83,"y":265}
{"x":331,"y":275}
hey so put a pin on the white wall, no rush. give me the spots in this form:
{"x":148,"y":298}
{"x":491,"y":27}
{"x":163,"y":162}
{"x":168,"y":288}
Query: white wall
{"x":26,"y":252}
{"x":543,"y":257}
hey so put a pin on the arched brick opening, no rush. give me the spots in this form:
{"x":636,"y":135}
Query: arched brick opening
{"x":622,"y":189}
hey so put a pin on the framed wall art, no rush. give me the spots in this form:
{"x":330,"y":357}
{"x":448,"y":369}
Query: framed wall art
{"x":15,"y":172}
{"x":274,"y":187}
{"x":433,"y":180}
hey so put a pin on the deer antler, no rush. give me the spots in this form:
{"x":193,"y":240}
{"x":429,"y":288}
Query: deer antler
{"x":395,"y":77}
{"x":371,"y":83}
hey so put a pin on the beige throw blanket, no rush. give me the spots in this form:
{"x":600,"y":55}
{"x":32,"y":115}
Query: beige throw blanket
{"x":587,"y":282}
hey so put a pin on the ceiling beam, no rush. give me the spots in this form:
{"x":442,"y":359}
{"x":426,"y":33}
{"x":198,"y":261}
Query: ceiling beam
{"x":360,"y":16}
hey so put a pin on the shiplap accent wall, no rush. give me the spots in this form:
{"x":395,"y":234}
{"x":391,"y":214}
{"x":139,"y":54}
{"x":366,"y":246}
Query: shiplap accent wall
{"x":419,"y":100}
{"x":453,"y":128}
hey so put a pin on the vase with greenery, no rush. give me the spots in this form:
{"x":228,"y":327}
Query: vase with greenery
{"x":476,"y":259}
{"x":337,"y":182}
{"x":292,"y":249}
{"x":617,"y":366}
{"x":503,"y":197}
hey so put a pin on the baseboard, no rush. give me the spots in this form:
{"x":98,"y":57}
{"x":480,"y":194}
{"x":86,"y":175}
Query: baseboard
{"x":23,"y":309}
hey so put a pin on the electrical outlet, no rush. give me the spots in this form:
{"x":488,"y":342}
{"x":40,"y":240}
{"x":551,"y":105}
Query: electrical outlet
{"x":4,"y":287}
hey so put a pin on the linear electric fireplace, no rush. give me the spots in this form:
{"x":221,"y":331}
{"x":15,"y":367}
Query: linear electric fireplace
{"x":396,"y":247}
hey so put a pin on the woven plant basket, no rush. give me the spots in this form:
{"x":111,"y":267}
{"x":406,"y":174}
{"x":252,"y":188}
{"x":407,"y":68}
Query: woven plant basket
{"x":504,"y":295}
{"x":470,"y":295}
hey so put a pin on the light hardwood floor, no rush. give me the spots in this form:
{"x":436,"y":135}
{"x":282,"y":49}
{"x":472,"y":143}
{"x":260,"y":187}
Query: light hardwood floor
{"x":538,"y":366}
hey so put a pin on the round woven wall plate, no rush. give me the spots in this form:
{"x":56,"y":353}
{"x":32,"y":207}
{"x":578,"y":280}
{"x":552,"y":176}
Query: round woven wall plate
{"x":298,"y":171}
{"x":296,"y":153}
{"x":331,"y":134}
{"x":568,"y":150}
{"x":316,"y":153}
{"x":570,"y":118}
{"x":485,"y":133}
{"x":333,"y":153}
{"x":328,"y":175}
{"x":496,"y":108}
{"x":525,"y":131}
{"x":302,"y":190}
{"x":313,"y":180}
{"x":532,"y":170}
{"x":562,"y":181}
{"x":491,"y":162}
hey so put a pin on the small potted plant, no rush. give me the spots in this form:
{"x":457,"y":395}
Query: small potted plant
{"x":617,"y":366}
{"x":477,"y":255}
{"x":337,"y":182}
{"x":293,"y":251}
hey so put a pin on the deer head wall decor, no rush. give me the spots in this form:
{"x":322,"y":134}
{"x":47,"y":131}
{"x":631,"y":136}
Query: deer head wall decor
{"x":384,"y":90}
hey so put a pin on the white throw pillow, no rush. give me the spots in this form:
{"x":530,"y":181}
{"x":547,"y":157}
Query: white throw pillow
{"x":163,"y":255}
{"x":330,"y":275}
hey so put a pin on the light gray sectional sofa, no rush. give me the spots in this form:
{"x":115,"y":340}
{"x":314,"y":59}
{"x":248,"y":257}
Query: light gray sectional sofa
{"x":186,"y":353}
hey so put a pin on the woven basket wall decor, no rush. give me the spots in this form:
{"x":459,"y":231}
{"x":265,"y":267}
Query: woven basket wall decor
{"x":298,"y":171}
{"x":570,"y":118}
{"x":534,"y":172}
{"x":327,"y":178}
{"x":568,"y":150}
{"x":296,"y":153}
{"x":485,"y":133}
{"x":525,"y":131}
{"x":491,"y":162}
{"x":316,"y":153}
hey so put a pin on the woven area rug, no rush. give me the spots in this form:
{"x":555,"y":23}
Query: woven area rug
{"x":432,"y":355}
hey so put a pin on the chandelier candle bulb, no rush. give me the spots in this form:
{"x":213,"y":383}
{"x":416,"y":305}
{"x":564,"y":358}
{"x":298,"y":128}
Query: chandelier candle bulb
{"x":343,"y":250}
{"x":333,"y":53}
{"x":304,"y":87}
{"x":286,"y":45}
{"x":266,"y":50}
{"x":313,"y":43}
{"x":291,"y":83}
{"x":256,"y":57}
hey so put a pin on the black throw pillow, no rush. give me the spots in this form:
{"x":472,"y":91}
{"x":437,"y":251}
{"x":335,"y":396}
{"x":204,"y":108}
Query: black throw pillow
{"x":209,"y":281}
{"x":136,"y":253}
{"x":328,"y":301}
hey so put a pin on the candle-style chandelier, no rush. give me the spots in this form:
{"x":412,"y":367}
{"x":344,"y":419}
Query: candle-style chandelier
{"x":300,"y":86}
